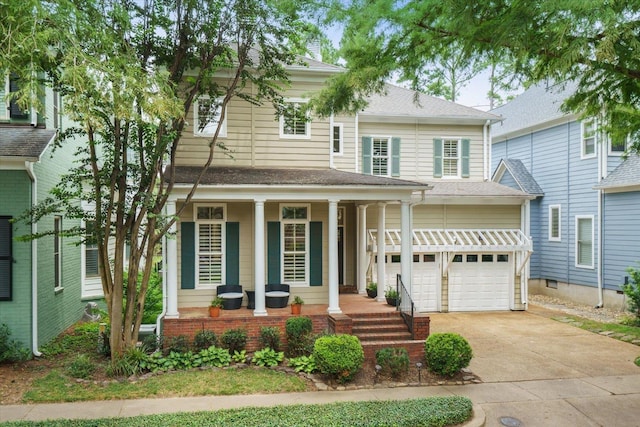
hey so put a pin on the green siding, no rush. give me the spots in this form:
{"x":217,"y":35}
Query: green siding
{"x":188,"y":255}
{"x":232,"y":253}
{"x":273,"y":252}
{"x":315,"y":253}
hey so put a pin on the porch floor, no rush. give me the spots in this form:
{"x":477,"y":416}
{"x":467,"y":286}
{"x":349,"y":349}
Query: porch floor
{"x":349,"y":304}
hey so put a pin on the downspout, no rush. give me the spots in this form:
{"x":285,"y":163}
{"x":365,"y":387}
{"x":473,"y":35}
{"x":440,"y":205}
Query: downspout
{"x":34,"y":264}
{"x":487,"y":147}
{"x":601,"y":172}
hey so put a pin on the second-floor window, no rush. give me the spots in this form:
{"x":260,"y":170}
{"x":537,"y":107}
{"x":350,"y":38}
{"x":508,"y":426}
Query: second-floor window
{"x":451,"y":158}
{"x":294,"y":121}
{"x":12,"y":112}
{"x":381,"y":155}
{"x":554,"y":223}
{"x":617,"y":146}
{"x":336,"y":138}
{"x":588,"y":138}
{"x":210,"y":243}
{"x":207,"y":114}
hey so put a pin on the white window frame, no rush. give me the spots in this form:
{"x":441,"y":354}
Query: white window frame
{"x":91,"y":285}
{"x":213,"y":123}
{"x":577,"y":245}
{"x":457,"y":158}
{"x":57,"y":252}
{"x":340,"y":151}
{"x":374,"y":156}
{"x":307,"y":132}
{"x":553,"y":238}
{"x":223,"y":239}
{"x":284,"y":222}
{"x":584,"y":138}
{"x":617,"y":153}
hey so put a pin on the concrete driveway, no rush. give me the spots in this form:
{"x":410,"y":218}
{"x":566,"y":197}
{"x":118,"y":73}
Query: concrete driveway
{"x":542,"y":372}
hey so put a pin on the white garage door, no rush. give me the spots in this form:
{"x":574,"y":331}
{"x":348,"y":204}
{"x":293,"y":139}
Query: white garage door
{"x":426,"y":279}
{"x":480,"y":282}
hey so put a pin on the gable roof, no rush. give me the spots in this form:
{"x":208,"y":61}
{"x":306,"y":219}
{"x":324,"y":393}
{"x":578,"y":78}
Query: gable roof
{"x":400,"y":103}
{"x":484,"y":189}
{"x":520,"y":174}
{"x":24,"y":141}
{"x":625,"y":176}
{"x":537,"y":107}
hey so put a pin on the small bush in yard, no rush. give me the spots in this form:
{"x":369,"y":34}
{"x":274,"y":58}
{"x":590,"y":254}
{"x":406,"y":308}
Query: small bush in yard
{"x":81,"y":367}
{"x":11,"y":350}
{"x":306,"y":364}
{"x":393,"y":361}
{"x":270,"y":337}
{"x":177,"y":344}
{"x":267,"y":357}
{"x":299,"y":339}
{"x":339,"y":356}
{"x":234,"y":340}
{"x":632,"y":292}
{"x":204,"y":339}
{"x":447,"y":353}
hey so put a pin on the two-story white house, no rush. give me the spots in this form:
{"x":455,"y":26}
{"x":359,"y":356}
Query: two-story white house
{"x":305,"y":200}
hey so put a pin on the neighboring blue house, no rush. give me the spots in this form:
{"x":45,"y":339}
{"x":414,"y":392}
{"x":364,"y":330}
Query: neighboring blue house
{"x":584,"y":221}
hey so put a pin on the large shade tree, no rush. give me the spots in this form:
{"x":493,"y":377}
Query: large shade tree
{"x":592,"y":42}
{"x":129,"y":71}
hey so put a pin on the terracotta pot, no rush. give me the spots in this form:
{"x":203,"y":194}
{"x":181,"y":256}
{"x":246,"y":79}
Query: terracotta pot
{"x":214,"y":311}
{"x":296,"y":308}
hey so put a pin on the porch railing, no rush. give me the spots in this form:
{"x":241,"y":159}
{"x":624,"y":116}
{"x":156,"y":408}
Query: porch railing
{"x":405,"y":306}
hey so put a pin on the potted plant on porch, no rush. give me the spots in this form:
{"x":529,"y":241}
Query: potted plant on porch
{"x":215,"y":306}
{"x":372,"y":289}
{"x":296,"y":305}
{"x":391,"y":295}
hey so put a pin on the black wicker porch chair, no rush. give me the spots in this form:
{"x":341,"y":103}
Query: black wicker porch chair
{"x":231,"y":296}
{"x":276,"y":295}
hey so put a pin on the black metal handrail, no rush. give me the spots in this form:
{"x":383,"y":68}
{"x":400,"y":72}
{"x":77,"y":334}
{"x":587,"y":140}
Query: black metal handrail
{"x":405,"y":305}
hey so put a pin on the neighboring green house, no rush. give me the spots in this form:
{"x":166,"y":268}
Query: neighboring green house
{"x":42,"y":285}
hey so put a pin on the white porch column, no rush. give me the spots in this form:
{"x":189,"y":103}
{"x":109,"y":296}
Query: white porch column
{"x":381,"y":251}
{"x":334,"y":304}
{"x":406,"y":248}
{"x":258,"y":258}
{"x":172,"y":266}
{"x":362,"y":249}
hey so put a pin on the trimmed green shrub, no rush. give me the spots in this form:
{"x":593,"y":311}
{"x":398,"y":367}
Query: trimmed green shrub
{"x":447,"y":353}
{"x":632,"y":292}
{"x":339,"y":356}
{"x":393,"y":361}
{"x":204,"y":339}
{"x":270,"y":337}
{"x":177,"y":344}
{"x":11,"y":350}
{"x":81,"y":367}
{"x":234,"y":340}
{"x":299,"y":339}
{"x":267,"y":357}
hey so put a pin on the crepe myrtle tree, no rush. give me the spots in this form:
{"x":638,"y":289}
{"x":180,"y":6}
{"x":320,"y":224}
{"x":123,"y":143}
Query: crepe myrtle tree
{"x":128,"y":72}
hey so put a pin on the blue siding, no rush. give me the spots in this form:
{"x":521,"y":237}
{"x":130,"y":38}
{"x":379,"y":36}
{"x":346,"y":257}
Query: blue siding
{"x":535,"y":261}
{"x":507,"y":179}
{"x":498,"y":152}
{"x":621,"y":236}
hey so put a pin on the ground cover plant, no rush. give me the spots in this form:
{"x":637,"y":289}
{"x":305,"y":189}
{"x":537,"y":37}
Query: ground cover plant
{"x":427,"y":412}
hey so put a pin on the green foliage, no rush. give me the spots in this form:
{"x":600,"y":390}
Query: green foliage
{"x":447,"y":353}
{"x":393,"y":361}
{"x":213,"y":356}
{"x":637,"y":361}
{"x":305,"y":364}
{"x":298,"y":300}
{"x":267,"y":357}
{"x":299,"y":340}
{"x":234,"y":339}
{"x":217,"y":302}
{"x":339,"y":356}
{"x":373,"y":286}
{"x":270,"y":337}
{"x":11,"y":350}
{"x":204,"y":338}
{"x":239,"y":356}
{"x":153,"y":299}
{"x":81,"y":367}
{"x":177,"y":344}
{"x":391,"y":293}
{"x":632,"y":292}
{"x":131,"y":362}
{"x":83,"y":338}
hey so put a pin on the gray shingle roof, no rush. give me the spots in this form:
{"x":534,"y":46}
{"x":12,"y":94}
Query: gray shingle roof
{"x":400,"y":102}
{"x":625,"y":175}
{"x":537,"y":105}
{"x":521,"y":175}
{"x":273,"y":176}
{"x":24,"y":141}
{"x":473,"y":189}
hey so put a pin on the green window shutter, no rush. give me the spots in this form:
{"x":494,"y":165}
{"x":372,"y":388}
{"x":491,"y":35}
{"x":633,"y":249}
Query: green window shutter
{"x":188,"y":254}
{"x":437,"y":158}
{"x":367,"y":147}
{"x":273,"y":252}
{"x":465,"y":157}
{"x":232,"y":253}
{"x":315,"y":253}
{"x":395,"y":156}
{"x":6,"y":258}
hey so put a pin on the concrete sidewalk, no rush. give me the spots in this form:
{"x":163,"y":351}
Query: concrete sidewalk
{"x":534,"y":370}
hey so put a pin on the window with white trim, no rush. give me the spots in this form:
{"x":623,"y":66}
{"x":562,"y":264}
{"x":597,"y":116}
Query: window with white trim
{"x":617,"y":146}
{"x":294,"y":121}
{"x":588,"y":134}
{"x":554,"y":223}
{"x":210,"y":236}
{"x":584,"y":241}
{"x":91,"y":264}
{"x":57,"y":252}
{"x":336,"y":138}
{"x":380,"y":156}
{"x":206,"y":117}
{"x":295,"y":243}
{"x":451,"y":157}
